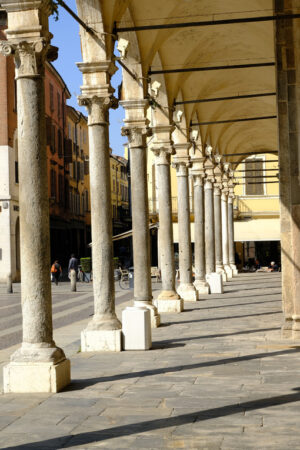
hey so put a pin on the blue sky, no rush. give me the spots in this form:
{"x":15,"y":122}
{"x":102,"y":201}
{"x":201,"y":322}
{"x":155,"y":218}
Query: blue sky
{"x":66,"y":38}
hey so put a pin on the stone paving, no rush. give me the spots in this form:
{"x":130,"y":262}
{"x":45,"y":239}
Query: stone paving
{"x":219,"y":376}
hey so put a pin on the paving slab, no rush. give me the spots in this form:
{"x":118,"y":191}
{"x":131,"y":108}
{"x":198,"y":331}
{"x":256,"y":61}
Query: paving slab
{"x":219,"y":377}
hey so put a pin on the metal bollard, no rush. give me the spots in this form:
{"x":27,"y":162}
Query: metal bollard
{"x":73,"y":280}
{"x":9,"y":286}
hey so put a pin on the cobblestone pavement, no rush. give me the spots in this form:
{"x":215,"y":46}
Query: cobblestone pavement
{"x":219,"y":376}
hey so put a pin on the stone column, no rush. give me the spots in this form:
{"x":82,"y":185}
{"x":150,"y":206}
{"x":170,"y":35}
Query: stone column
{"x":210,"y":260}
{"x":231,"y":232}
{"x":218,"y":217}
{"x":168,"y":300}
{"x":136,"y":128}
{"x":186,"y":289}
{"x":288,"y":101}
{"x":103,"y":332}
{"x":38,"y":365}
{"x":200,"y":282}
{"x":214,"y":279}
{"x":225,"y":236}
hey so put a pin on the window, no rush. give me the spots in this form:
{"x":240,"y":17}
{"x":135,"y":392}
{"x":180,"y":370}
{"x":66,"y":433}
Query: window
{"x":16,"y":172}
{"x":58,"y":105}
{"x":53,"y":183}
{"x":254,"y":177}
{"x":51,"y":97}
{"x":61,"y":189}
{"x":53,"y":143}
{"x":59,"y":144}
{"x":86,"y":201}
{"x":69,"y":130}
{"x":114,"y":186}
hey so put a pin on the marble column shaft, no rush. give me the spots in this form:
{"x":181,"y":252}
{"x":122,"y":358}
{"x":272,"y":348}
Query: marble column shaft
{"x":218,"y":227}
{"x":38,"y":342}
{"x":199,"y":229}
{"x":184,"y":231}
{"x":140,"y":219}
{"x":231,"y":232}
{"x":225,"y":242}
{"x":166,"y":246}
{"x":101,"y":215}
{"x":210,"y":261}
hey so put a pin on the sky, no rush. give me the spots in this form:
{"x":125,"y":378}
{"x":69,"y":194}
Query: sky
{"x":66,"y":38}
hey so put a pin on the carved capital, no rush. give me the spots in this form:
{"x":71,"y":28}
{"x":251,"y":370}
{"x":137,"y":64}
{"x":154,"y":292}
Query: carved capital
{"x":97,"y":108}
{"x":198,"y":180}
{"x":181,"y":168}
{"x":30,"y":56}
{"x":136,"y":135}
{"x":163,"y":151}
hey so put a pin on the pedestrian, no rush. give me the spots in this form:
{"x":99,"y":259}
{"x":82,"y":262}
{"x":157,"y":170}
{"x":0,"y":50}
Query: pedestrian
{"x":73,"y":265}
{"x":56,"y":271}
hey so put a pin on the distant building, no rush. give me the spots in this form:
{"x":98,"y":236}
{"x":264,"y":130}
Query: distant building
{"x":67,"y":167}
{"x":9,"y":179}
{"x":79,"y":196}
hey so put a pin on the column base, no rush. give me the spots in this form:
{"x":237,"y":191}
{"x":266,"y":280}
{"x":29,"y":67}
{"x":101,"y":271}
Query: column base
{"x":286,"y":329}
{"x":201,"y":287}
{"x":221,"y":270}
{"x":234,"y":270}
{"x":187,"y":292}
{"x":136,"y":328}
{"x":101,"y":340}
{"x":229,"y":272}
{"x":215,"y":282}
{"x":36,"y":377}
{"x":296,"y":327}
{"x":155,"y":317}
{"x":169,"y":306}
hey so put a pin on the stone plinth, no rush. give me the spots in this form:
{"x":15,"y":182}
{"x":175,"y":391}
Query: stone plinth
{"x":136,"y":328}
{"x":34,"y":377}
{"x":229,"y":272}
{"x":187,"y":292}
{"x":169,"y":306}
{"x":101,"y":340}
{"x":201,"y":287}
{"x":215,"y":283}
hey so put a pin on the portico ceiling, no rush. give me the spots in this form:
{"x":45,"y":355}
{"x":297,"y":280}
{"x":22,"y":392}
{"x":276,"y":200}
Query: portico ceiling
{"x":207,"y":46}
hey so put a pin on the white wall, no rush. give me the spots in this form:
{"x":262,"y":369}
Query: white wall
{"x":9,"y":213}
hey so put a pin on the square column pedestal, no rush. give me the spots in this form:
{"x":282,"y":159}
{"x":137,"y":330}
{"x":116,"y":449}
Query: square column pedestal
{"x":30,"y":377}
{"x":187,"y":292}
{"x":169,"y":306}
{"x":101,"y":340}
{"x":136,"y":323}
{"x":215,"y":283}
{"x":201,"y":287}
{"x":168,"y":302}
{"x":229,"y":272}
{"x":234,"y":270}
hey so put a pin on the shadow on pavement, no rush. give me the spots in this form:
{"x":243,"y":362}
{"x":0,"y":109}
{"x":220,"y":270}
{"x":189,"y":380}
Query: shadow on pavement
{"x":140,"y":427}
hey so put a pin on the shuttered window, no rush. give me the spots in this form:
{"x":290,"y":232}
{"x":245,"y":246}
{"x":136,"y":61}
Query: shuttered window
{"x":254,"y":177}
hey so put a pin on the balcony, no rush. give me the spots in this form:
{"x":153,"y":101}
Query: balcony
{"x":246,"y":207}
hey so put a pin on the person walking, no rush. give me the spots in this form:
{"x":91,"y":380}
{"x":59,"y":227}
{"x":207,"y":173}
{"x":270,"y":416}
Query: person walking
{"x":56,"y":271}
{"x":73,"y":265}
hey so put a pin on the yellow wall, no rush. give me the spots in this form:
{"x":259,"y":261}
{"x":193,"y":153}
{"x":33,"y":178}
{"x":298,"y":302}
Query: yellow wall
{"x":258,"y":205}
{"x":119,"y":185}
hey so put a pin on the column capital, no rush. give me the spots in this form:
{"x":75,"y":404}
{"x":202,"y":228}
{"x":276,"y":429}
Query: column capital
{"x":161,"y":144}
{"x":97,"y":107}
{"x":28,"y":36}
{"x":218,"y":173}
{"x":182,"y":157}
{"x":198,"y":179}
{"x":136,"y":134}
{"x":29,"y":55}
